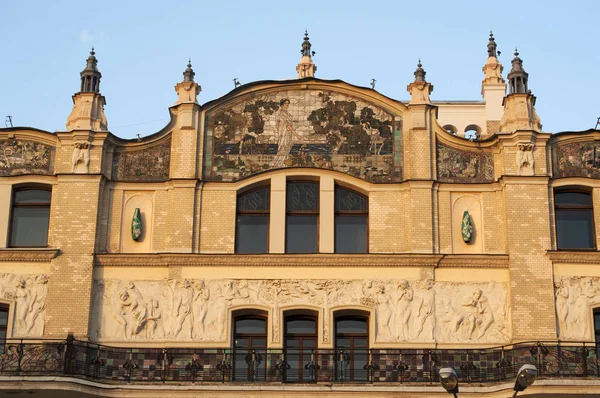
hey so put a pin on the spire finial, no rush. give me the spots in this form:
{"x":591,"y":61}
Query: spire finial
{"x":420,"y":72}
{"x":188,"y":75}
{"x":306,"y":46}
{"x":492,"y":46}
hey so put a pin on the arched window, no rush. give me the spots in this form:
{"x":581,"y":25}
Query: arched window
{"x":352,"y":345}
{"x":302,"y":217}
{"x":249,"y":345}
{"x":252,"y":221}
{"x":351,"y":219}
{"x":30,"y":216}
{"x":300,"y":341}
{"x":450,"y":129}
{"x":472,"y":132}
{"x":574,"y":219}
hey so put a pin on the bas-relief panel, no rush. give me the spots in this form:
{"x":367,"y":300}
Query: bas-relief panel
{"x":28,"y":293}
{"x":25,"y":157}
{"x":305,"y":128}
{"x":198,"y":310}
{"x":575,"y":298}
{"x":149,"y":164}
{"x":454,"y":165}
{"x":577,"y":159}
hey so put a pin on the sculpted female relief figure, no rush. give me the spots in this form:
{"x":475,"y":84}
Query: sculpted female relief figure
{"x":384,"y":314}
{"x":404,"y":300}
{"x":37,"y":302}
{"x":201,"y":297}
{"x":481,"y":316}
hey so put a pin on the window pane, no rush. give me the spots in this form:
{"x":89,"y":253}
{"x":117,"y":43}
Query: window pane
{"x":574,"y":229}
{"x":301,"y":326}
{"x":30,"y":226}
{"x":32,"y":196}
{"x":3,"y":317}
{"x":573,"y":199}
{"x":252,"y":234}
{"x":346,"y":200}
{"x":251,"y":326}
{"x":351,"y":326}
{"x":254,"y":201}
{"x":350,"y":234}
{"x":301,"y":234}
{"x":302,"y":196}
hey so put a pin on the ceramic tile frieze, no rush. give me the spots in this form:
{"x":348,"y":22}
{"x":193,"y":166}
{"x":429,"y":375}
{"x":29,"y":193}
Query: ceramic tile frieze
{"x":577,"y":159}
{"x":25,"y":157}
{"x":148,"y":164}
{"x":455,"y":165}
{"x":307,"y":128}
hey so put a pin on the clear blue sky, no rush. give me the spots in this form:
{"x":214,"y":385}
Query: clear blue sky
{"x":143,"y":48}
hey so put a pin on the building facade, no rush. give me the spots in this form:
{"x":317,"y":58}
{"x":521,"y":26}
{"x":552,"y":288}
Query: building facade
{"x":302,"y":237}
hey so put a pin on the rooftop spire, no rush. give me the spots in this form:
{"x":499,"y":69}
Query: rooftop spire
{"x":188,"y":75}
{"x":306,"y":67}
{"x":492,"y":51}
{"x":90,"y":76}
{"x":517,"y":76}
{"x":420,"y":72}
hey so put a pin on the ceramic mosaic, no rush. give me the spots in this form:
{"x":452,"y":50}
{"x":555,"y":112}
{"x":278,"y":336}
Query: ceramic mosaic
{"x":577,"y":159}
{"x":148,"y":164}
{"x":25,"y":157}
{"x":455,"y":165}
{"x":307,"y":128}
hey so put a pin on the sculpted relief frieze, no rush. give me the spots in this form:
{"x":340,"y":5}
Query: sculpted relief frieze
{"x":577,"y":159}
{"x":27,"y":293}
{"x":303,"y":129}
{"x":148,"y":164}
{"x":25,"y":157}
{"x":460,"y":166}
{"x":575,"y":298}
{"x":199,"y":310}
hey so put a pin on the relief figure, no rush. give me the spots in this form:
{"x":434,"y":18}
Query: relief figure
{"x":384,"y":314}
{"x":37,"y":301}
{"x":404,"y":300}
{"x":183,"y":296}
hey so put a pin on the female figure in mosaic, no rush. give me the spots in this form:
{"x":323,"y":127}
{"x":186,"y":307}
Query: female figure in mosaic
{"x":285,"y":133}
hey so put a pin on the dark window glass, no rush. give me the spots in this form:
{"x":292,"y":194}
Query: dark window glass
{"x":352,"y":341}
{"x":300,"y":342}
{"x":3,"y":325}
{"x":301,"y":326}
{"x":302,"y":217}
{"x":574,"y":220}
{"x":351,"y":325}
{"x":30,"y":218}
{"x":351,"y":218}
{"x":597,"y":329}
{"x":252,"y":222}
{"x":251,"y":326}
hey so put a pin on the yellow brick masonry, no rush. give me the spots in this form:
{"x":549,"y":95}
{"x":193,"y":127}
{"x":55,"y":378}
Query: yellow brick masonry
{"x":217,"y":222}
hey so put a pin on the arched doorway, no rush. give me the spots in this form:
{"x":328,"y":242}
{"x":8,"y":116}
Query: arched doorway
{"x":249,"y":345}
{"x":300,"y":341}
{"x":351,"y":345}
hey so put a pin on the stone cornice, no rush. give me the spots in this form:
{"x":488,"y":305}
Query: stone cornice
{"x":575,"y":257}
{"x":28,"y":255}
{"x":292,"y":260}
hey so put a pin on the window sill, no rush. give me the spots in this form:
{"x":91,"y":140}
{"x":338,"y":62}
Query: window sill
{"x":581,"y":256}
{"x":32,"y":254}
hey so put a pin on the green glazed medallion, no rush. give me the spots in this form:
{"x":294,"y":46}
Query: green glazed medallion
{"x":466,"y":227}
{"x":136,"y":225}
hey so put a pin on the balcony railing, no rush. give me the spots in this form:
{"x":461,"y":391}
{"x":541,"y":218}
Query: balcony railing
{"x":411,"y":366}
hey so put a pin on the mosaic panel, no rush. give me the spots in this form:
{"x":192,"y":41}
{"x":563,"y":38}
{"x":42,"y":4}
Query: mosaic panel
{"x":307,"y":128}
{"x":25,"y":157}
{"x":577,"y":159}
{"x":454,"y":165}
{"x":149,"y":164}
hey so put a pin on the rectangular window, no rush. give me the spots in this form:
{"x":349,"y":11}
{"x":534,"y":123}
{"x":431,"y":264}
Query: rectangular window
{"x":252,"y":222}
{"x":30,"y":217}
{"x":302,"y":217}
{"x":574,"y":220}
{"x":351,"y":218}
{"x":3,"y":325}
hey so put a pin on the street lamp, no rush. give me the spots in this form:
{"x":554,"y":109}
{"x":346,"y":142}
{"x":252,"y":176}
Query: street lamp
{"x":449,"y":380}
{"x":525,"y":378}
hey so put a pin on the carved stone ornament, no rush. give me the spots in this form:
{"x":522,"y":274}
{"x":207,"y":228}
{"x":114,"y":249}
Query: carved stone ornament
{"x":525,"y":160}
{"x":136,"y":225}
{"x":575,"y":298}
{"x":147,"y":164}
{"x":28,"y":293}
{"x":461,"y":166}
{"x":199,"y":310}
{"x":25,"y":157}
{"x":87,"y":113}
{"x":466,"y":227}
{"x":81,"y":157}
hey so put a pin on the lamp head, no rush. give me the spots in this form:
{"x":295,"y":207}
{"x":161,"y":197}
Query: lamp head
{"x":525,"y":377}
{"x":449,"y":380}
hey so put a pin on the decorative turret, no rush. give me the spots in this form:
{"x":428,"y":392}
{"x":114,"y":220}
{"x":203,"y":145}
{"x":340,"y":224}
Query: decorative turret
{"x":88,"y":103}
{"x":188,"y":90}
{"x":519,"y":104}
{"x":420,"y":88}
{"x":517,"y":76}
{"x":90,"y":76}
{"x":306,"y":67}
{"x":493,"y":89}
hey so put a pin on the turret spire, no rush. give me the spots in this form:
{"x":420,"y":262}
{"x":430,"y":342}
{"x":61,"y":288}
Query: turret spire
{"x":492,"y":51}
{"x":306,"y":67}
{"x":420,"y":72}
{"x":420,"y":89}
{"x":90,"y":76}
{"x":188,"y":75}
{"x":518,"y":77}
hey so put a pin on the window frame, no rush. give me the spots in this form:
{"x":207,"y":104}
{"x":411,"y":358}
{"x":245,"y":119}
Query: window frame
{"x":355,"y":374}
{"x":303,"y":213}
{"x":349,"y":213}
{"x":253,"y":213}
{"x":6,"y":308}
{"x":581,"y":208}
{"x":39,"y":205}
{"x":238,"y":354}
{"x":303,"y":354}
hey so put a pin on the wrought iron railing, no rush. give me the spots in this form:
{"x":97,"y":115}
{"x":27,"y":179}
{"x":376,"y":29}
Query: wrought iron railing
{"x":421,"y":366}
